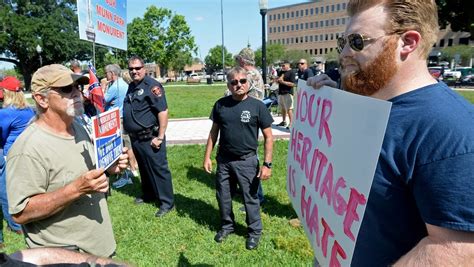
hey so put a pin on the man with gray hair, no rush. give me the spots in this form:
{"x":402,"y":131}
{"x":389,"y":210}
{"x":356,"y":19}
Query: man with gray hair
{"x":114,"y":96}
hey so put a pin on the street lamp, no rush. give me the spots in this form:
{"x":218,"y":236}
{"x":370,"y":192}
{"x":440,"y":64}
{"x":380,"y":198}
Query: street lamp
{"x":263,"y":11}
{"x":39,"y":50}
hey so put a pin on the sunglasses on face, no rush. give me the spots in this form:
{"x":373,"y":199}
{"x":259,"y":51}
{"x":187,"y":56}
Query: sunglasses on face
{"x":65,"y":90}
{"x":136,"y":68}
{"x":356,"y":42}
{"x":235,"y":82}
{"x":301,"y":63}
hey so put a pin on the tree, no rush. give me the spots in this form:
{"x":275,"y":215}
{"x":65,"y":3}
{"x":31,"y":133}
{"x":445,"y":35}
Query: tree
{"x":161,"y":37}
{"x":457,"y":13}
{"x":213,"y":59}
{"x":275,"y":53}
{"x":294,"y":56}
{"x":50,"y":24}
{"x":465,"y":53}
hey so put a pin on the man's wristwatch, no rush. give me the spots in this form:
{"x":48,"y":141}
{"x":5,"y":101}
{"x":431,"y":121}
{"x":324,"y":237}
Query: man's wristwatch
{"x":267,"y":164}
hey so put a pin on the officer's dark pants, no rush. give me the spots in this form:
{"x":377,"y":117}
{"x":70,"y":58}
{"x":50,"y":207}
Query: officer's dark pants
{"x":244,"y":172}
{"x":154,"y":172}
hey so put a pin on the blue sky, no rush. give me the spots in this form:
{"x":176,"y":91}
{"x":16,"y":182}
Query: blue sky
{"x":242,"y":21}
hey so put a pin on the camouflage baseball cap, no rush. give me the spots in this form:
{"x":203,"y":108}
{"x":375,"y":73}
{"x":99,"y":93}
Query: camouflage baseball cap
{"x":55,"y":75}
{"x":247,"y":56}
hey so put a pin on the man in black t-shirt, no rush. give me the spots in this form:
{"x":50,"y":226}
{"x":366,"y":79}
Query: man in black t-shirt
{"x":286,"y":82}
{"x":238,"y":119}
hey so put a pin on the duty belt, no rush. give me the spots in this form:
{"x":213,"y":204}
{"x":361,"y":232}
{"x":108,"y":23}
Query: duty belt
{"x":146,"y":134}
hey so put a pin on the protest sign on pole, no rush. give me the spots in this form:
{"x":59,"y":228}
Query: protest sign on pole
{"x":103,"y":22}
{"x":334,"y":146}
{"x":107,"y":135}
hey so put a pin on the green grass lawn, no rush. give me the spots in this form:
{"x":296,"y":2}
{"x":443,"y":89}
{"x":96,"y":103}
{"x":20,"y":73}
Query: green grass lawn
{"x":185,"y":237}
{"x":468,"y":95}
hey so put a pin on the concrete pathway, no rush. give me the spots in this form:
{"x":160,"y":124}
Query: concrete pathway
{"x":196,"y":131}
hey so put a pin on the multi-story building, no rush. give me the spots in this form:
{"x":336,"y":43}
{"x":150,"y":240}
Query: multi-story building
{"x":312,"y":27}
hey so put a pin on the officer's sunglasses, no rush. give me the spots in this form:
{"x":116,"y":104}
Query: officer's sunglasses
{"x":235,"y":81}
{"x":356,"y":41}
{"x":136,"y":68}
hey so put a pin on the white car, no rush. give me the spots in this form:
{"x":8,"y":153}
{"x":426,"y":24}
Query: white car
{"x":218,"y":76}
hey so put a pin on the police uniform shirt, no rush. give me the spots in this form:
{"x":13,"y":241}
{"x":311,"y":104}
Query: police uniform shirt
{"x":142,"y":104}
{"x":239,"y":122}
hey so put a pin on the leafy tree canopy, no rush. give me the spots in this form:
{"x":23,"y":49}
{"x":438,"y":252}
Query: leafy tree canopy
{"x":50,"y":24}
{"x":275,"y":53}
{"x":213,"y":59}
{"x":458,"y":13}
{"x":161,"y":37}
{"x":465,"y":53}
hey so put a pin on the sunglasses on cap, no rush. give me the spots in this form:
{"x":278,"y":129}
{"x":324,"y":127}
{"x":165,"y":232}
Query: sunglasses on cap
{"x":235,"y":82}
{"x":136,"y":68}
{"x":356,"y":41}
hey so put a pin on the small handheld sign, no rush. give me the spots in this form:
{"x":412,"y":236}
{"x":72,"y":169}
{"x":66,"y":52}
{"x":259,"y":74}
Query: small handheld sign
{"x":107,"y":135}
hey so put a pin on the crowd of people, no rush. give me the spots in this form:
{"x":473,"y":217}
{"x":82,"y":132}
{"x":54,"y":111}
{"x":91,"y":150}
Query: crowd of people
{"x":420,"y":209}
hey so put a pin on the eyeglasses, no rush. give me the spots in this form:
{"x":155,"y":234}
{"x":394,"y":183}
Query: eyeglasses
{"x":136,"y":68}
{"x":356,"y":41}
{"x":235,"y":82}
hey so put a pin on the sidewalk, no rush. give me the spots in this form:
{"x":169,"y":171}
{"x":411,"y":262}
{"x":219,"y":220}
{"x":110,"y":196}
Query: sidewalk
{"x":196,"y":131}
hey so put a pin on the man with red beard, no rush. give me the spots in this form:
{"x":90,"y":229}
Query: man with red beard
{"x":54,"y":189}
{"x":420,"y":210}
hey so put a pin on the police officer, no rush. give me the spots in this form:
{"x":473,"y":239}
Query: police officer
{"x":145,"y":118}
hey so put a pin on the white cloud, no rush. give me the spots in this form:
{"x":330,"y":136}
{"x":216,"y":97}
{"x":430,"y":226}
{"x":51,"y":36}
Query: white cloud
{"x":199,"y":18}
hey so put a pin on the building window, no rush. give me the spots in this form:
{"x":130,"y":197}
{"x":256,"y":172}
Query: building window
{"x":321,"y":23}
{"x":282,"y":15}
{"x":321,"y":37}
{"x":327,"y":9}
{"x":278,"y":28}
{"x":332,"y":36}
{"x":311,"y":11}
{"x":306,"y":25}
{"x":327,"y":37}
{"x":327,"y":23}
{"x":278,"y":16}
{"x":297,"y":25}
{"x":322,"y":10}
{"x":337,"y":35}
{"x":320,"y":50}
{"x":325,"y":50}
{"x":463,"y":41}
{"x":311,"y":38}
{"x":315,"y":51}
{"x":450,"y":42}
{"x":306,"y":12}
{"x":337,"y":21}
{"x":301,"y":26}
{"x":270,"y":29}
{"x":287,"y":28}
{"x":315,"y":38}
{"x":296,"y":40}
{"x":311,"y":51}
{"x":301,"y":39}
{"x":343,"y":5}
{"x":283,"y":41}
{"x":330,"y":49}
{"x":282,"y":28}
{"x":316,"y":10}
{"x":292,"y":40}
{"x":306,"y":39}
{"x":287,"y":40}
{"x":292,"y":27}
{"x":287,"y":15}
{"x":297,"y":13}
{"x":343,"y":21}
{"x":311,"y":25}
{"x":332,"y":8}
{"x":292,"y":14}
{"x":316,"y":24}
{"x":332,"y":22}
{"x":441,"y":43}
{"x":306,"y":51}
{"x":338,"y":7}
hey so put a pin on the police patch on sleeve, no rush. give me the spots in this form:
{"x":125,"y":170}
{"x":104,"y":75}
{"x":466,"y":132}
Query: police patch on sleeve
{"x":156,"y":90}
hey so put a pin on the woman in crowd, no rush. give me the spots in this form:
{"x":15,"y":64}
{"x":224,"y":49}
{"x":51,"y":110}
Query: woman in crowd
{"x":15,"y":116}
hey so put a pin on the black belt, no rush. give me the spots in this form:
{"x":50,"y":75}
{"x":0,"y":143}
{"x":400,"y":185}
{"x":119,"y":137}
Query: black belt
{"x":229,"y":156}
{"x":146,"y":134}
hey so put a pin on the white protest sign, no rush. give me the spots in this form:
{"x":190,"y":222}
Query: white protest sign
{"x":107,"y":136}
{"x":332,"y":155}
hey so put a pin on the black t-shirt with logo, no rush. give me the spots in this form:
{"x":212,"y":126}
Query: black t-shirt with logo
{"x":239,"y":122}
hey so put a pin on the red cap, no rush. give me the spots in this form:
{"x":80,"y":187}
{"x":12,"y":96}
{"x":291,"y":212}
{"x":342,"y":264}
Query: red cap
{"x":10,"y":83}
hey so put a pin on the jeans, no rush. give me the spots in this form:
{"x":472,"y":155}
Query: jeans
{"x":3,"y":197}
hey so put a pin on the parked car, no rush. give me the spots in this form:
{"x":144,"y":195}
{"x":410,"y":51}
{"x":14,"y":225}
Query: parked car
{"x":218,"y":76}
{"x":195,"y":76}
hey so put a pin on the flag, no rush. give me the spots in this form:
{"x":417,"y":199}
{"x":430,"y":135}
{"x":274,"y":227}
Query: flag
{"x":95,"y":93}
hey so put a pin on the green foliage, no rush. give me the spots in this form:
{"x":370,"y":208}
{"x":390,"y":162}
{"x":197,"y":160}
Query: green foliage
{"x":275,"y":53}
{"x":213,"y":60}
{"x":50,"y":24}
{"x":161,"y":37}
{"x":457,"y":13}
{"x":294,"y":55}
{"x":466,"y":52}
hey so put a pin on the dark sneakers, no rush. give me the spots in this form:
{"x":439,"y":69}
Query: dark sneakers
{"x":283,"y":123}
{"x":222,"y":235}
{"x":162,"y":212}
{"x":252,"y":242}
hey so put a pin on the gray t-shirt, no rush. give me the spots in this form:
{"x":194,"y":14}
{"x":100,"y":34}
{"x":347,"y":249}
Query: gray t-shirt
{"x":40,"y":162}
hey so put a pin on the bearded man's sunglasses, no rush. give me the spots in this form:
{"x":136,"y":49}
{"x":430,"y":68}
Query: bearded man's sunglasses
{"x":356,"y":41}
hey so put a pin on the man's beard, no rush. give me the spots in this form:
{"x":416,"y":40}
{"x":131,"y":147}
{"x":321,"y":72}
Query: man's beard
{"x":72,"y":110}
{"x":376,"y":75}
